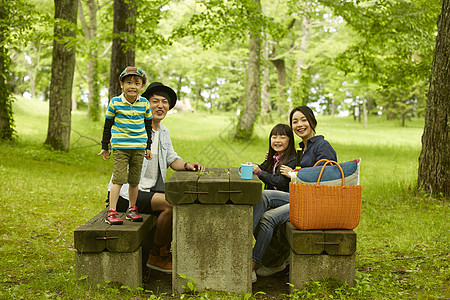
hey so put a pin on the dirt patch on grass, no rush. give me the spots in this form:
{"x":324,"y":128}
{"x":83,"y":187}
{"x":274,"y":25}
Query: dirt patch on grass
{"x":273,"y":286}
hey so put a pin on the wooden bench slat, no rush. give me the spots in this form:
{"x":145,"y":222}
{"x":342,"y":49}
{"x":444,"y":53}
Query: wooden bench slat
{"x":210,"y":183}
{"x":331,"y":242}
{"x":345,"y":242}
{"x":250,"y":189}
{"x":96,"y":235}
{"x":304,"y":241}
{"x":130,"y":234}
{"x":181,"y":188}
{"x":85,"y":235}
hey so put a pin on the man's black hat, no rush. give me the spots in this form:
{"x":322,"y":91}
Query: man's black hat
{"x":162,"y":90}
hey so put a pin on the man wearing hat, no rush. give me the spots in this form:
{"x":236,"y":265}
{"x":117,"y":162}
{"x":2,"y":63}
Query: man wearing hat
{"x":151,"y":197}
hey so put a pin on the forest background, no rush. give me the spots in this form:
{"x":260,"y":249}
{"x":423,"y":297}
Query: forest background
{"x":259,"y":58}
{"x":369,"y":58}
{"x":337,"y":56}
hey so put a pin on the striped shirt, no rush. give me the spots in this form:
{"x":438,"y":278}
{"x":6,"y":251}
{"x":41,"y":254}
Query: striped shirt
{"x":128,"y":131}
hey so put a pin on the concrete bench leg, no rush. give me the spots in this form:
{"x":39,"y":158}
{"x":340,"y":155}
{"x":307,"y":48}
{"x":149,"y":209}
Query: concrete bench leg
{"x":318,"y":267}
{"x":102,"y":266}
{"x":213,"y":245}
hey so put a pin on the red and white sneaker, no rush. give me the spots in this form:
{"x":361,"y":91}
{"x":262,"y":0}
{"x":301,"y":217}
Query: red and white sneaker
{"x":112,"y":217}
{"x":133,"y":215}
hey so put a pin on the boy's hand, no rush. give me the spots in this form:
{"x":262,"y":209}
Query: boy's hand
{"x":105,"y":154}
{"x":148,"y":154}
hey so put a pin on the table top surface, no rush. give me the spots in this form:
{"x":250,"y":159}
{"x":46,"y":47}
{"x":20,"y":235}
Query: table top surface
{"x":212,"y":186}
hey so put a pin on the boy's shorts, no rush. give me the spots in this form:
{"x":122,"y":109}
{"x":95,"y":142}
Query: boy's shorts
{"x":131,"y":159}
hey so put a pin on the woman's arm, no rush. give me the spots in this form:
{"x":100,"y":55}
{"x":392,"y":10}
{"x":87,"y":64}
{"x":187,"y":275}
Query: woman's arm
{"x":325,"y":151}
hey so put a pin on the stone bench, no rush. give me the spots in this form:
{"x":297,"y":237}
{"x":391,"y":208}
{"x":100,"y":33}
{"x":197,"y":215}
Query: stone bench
{"x":320,"y":254}
{"x":113,"y":252}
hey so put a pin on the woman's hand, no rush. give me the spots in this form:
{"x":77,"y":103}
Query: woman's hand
{"x":284,"y":170}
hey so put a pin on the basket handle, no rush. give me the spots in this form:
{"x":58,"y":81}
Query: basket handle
{"x":322,"y":160}
{"x":331,"y":162}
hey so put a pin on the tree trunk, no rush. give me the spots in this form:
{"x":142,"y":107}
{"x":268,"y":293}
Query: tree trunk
{"x":122,"y":54}
{"x":300,"y":63}
{"x":63,"y":67}
{"x":6,"y":113}
{"x":198,"y":94}
{"x":248,"y":116}
{"x":266,"y":106}
{"x":92,"y":73}
{"x":33,"y":66}
{"x":333,"y":107}
{"x":434,"y":160}
{"x":365,"y":112}
{"x":281,"y":86}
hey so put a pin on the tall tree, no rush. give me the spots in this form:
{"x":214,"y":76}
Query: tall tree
{"x":219,"y":21}
{"x":279,"y":61}
{"x":122,"y":54}
{"x":434,"y":160}
{"x":247,"y":118}
{"x":16,"y":27}
{"x":266,"y":105}
{"x":63,"y":67}
{"x":90,"y":33}
{"x":6,"y":114}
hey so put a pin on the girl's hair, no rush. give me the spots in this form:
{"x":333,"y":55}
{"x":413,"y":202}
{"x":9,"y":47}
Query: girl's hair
{"x":280,"y":129}
{"x":308,"y":114}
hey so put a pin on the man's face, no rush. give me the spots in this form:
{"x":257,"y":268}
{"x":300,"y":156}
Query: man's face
{"x":159,"y":106}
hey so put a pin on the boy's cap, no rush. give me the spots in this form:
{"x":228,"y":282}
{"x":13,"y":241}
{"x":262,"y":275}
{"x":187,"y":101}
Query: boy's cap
{"x":133,"y":71}
{"x":165,"y":91}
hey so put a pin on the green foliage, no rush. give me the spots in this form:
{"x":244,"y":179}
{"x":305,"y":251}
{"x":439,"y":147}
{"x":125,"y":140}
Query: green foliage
{"x":19,"y":23}
{"x":148,"y":18}
{"x":6,"y":99}
{"x":200,"y":48}
{"x":16,"y":18}
{"x":396,"y":47}
{"x":190,"y":286}
{"x":214,"y":21}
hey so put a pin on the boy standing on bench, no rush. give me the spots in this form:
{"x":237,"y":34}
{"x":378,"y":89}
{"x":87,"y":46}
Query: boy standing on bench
{"x":151,"y":197}
{"x":128,"y":126}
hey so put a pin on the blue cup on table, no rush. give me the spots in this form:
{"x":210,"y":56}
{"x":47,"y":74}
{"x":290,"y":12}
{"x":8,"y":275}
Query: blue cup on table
{"x":246,"y":171}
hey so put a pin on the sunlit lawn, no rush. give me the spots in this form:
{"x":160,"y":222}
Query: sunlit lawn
{"x":403,"y":239}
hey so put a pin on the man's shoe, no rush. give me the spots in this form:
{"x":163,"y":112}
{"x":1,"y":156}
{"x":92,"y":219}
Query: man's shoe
{"x":267,"y":271}
{"x":254,"y":278}
{"x":112,"y":217}
{"x":160,"y":263}
{"x":133,"y":215}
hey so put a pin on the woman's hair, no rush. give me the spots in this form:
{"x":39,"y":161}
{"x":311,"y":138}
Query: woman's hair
{"x":280,"y":129}
{"x":305,"y":110}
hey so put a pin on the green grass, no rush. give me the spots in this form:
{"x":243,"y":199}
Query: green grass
{"x":403,"y":239}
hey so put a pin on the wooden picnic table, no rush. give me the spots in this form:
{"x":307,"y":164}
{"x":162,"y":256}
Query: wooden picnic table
{"x":212,"y":229}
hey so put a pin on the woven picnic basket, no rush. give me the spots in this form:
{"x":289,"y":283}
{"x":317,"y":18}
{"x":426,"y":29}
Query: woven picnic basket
{"x":315,"y":206}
